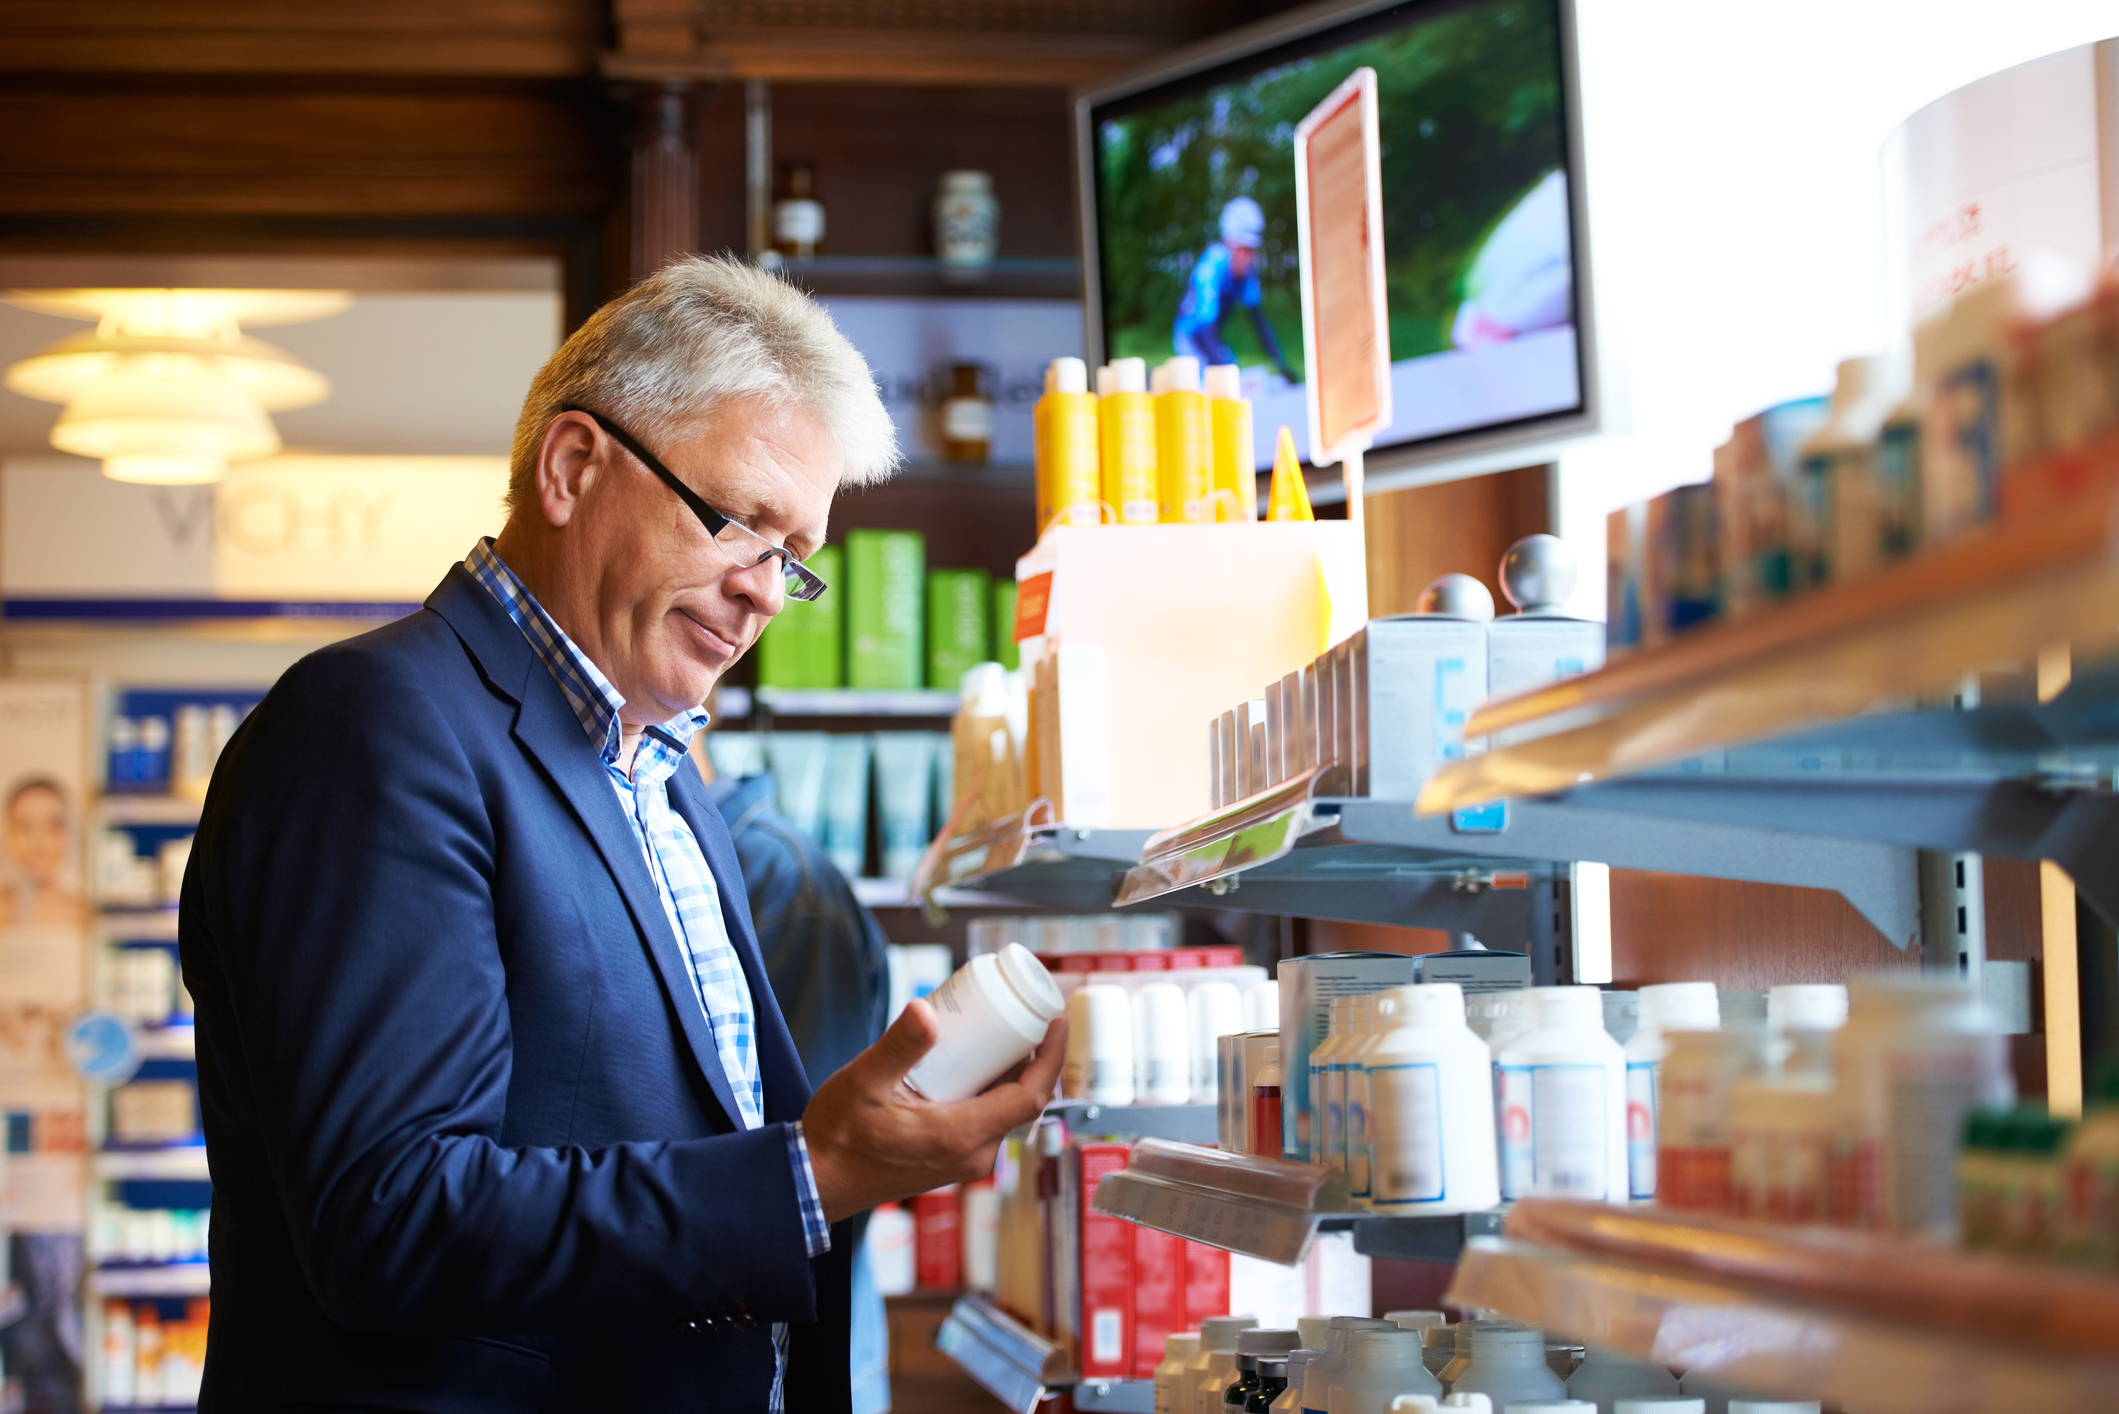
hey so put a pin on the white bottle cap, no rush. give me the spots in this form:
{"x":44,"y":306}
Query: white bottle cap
{"x":1217,"y":1334}
{"x":1129,"y":375}
{"x":1659,"y":1404}
{"x":1774,"y":1406}
{"x":1261,"y":1006}
{"x":1429,"y":1004}
{"x":1417,"y":1404}
{"x":1548,"y":1406}
{"x":1389,"y":1346}
{"x":1033,"y":989}
{"x":1179,"y":1345}
{"x":1224,"y":380}
{"x":1568,"y":1008}
{"x":1470,"y":1399}
{"x":1106,"y":381}
{"x":1680,"y":1006}
{"x":1806,"y":1006}
{"x":1180,"y":373}
{"x":1068,"y":375}
{"x":1416,"y":1320}
{"x":1314,"y":1330}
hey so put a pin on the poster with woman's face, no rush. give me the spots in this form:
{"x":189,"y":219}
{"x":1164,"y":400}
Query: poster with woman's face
{"x":44,"y":919}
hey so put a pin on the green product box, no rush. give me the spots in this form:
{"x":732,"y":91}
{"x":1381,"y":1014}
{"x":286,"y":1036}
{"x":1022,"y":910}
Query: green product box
{"x":804,"y":644}
{"x":885,"y":583}
{"x":824,"y":622}
{"x":957,"y":631}
{"x":1005,"y":650}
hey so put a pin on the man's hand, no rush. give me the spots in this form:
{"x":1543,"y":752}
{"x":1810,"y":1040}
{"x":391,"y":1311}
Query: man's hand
{"x":873,"y":1140}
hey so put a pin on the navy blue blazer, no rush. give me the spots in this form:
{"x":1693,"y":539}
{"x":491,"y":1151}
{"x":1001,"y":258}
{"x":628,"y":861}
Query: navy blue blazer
{"x":472,"y":1147}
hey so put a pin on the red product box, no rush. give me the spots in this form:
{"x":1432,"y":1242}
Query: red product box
{"x":938,"y":1239}
{"x":1151,"y":961}
{"x":1158,"y":1296}
{"x":1107,"y":1271}
{"x":1206,"y":1283}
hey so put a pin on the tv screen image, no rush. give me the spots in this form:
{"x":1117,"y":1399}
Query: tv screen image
{"x":1195,"y":224}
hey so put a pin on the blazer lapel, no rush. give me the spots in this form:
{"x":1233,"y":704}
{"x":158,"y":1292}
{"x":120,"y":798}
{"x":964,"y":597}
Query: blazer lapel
{"x":779,"y":1065}
{"x":548,"y":729}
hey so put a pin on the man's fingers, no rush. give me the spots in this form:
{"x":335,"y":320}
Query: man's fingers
{"x":909,"y":1038}
{"x":1044,"y":1068}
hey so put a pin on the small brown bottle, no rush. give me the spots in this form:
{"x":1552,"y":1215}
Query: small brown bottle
{"x":798,"y":217}
{"x":967,"y":417}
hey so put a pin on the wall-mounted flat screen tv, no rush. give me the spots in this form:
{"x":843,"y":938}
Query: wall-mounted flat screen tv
{"x":1189,"y":223}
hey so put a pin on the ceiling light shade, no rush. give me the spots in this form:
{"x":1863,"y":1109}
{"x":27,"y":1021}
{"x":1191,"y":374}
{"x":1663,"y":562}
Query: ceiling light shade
{"x":185,"y":311}
{"x":276,"y":378}
{"x":166,"y":418}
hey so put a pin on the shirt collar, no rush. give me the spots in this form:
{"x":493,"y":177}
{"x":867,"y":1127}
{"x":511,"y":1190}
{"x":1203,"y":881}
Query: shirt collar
{"x":595,"y":703}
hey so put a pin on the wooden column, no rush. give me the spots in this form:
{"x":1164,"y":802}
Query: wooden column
{"x":665,"y":179}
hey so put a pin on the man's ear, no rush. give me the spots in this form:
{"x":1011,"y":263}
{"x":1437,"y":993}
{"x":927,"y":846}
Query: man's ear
{"x":567,"y":464}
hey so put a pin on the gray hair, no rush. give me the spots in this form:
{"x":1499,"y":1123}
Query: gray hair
{"x":660,"y":357}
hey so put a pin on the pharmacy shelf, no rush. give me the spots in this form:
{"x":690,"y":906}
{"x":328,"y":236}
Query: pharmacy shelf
{"x":1007,"y":277}
{"x":1036,"y":859}
{"x":121,"y":809}
{"x":1914,"y":630}
{"x":1186,"y":1124}
{"x":1270,"y":1209}
{"x":138,"y":924}
{"x":1014,"y":1365}
{"x":1296,"y":850}
{"x":167,"y":1042}
{"x":1876,"y":1323}
{"x":185,"y":1163}
{"x":854,"y":702}
{"x":164,"y":1279}
{"x":897,"y":893}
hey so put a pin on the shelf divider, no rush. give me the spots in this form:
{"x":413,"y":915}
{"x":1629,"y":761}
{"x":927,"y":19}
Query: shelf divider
{"x":1011,"y":1363}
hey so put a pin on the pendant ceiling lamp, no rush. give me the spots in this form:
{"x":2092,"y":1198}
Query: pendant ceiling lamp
{"x":168,"y":389}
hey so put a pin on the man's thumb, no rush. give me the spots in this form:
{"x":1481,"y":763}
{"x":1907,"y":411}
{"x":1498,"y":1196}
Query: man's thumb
{"x":909,"y":1038}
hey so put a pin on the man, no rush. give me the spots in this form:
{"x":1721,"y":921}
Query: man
{"x":1226,"y":274}
{"x":501,"y":1114}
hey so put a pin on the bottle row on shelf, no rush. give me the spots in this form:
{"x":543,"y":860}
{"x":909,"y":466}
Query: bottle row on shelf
{"x":121,"y":1235}
{"x":166,"y":741}
{"x":831,"y":785}
{"x":154,"y":1352}
{"x":886,"y":622}
{"x":2002,"y":411}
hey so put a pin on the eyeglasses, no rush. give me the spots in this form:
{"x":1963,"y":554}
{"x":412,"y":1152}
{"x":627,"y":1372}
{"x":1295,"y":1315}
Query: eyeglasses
{"x":735,"y":539}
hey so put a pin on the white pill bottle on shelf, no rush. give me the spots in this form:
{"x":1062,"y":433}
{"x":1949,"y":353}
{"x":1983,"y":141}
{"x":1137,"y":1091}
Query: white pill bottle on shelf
{"x":1099,"y":1065}
{"x":1561,"y":1089}
{"x":993,"y":1012}
{"x":1430,"y":1122}
{"x":1665,"y":1006}
{"x":1162,"y":1059}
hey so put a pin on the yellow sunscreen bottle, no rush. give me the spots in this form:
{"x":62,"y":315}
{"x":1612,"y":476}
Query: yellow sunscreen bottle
{"x":1126,"y":420}
{"x":1289,"y":498}
{"x":1184,"y":442}
{"x":1235,"y":460}
{"x":1068,"y":476}
{"x":1041,"y":452}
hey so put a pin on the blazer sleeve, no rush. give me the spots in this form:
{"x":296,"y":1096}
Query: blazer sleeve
{"x":341,"y":900}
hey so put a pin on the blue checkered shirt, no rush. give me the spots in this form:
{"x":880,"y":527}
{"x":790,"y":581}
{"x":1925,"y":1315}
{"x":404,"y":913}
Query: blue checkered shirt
{"x":689,"y":895}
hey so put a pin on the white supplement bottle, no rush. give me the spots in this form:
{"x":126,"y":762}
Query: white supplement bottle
{"x":1460,"y":1353}
{"x":1317,"y":1378}
{"x":1212,"y":1010}
{"x":1780,"y":1145}
{"x":1666,"y":1006}
{"x":1430,"y":1117}
{"x":1711,"y":1398}
{"x":1800,"y":1020}
{"x":1508,"y":1360}
{"x":1169,"y":1375}
{"x":1775,"y":1406}
{"x":1212,"y":1368}
{"x":1099,"y":1063}
{"x":1562,"y":1102}
{"x":1289,"y":1400}
{"x":1605,"y":1377}
{"x":1664,"y":1404}
{"x":1377,"y":1017}
{"x":1162,"y":1060}
{"x":1918,"y":1053}
{"x":1692,"y":1126}
{"x":1550,"y":1406}
{"x":993,"y":1012}
{"x":1261,"y":1006}
{"x":1327,"y":1085}
{"x":1380,"y":1366}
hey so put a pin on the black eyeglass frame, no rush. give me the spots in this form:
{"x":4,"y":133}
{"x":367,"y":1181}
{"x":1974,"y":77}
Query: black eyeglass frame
{"x":803,"y":583}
